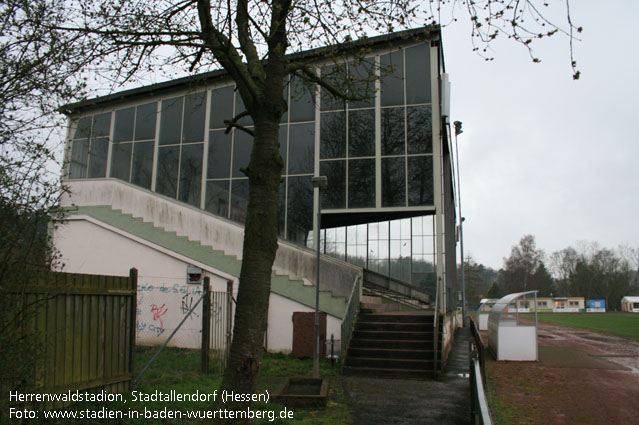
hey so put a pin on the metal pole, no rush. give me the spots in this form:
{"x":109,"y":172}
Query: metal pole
{"x":206,"y":325}
{"x":317,"y":291}
{"x":157,"y":353}
{"x":318,"y":182}
{"x":458,"y":130}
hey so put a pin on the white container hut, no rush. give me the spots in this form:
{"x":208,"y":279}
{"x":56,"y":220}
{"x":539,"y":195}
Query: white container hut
{"x":508,"y":338}
{"x":630,"y":304}
{"x":485,"y":305}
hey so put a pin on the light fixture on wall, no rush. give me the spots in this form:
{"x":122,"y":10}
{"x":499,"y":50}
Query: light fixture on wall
{"x":193,"y":274}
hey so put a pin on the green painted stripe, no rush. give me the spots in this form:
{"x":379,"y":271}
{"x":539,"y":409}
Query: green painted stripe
{"x":280,"y":284}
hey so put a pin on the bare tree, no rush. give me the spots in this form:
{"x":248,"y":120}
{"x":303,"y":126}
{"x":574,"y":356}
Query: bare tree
{"x":522,"y":264}
{"x":252,"y":41}
{"x":38,"y":74}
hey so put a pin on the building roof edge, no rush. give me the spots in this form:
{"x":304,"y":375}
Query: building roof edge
{"x":421,"y":33}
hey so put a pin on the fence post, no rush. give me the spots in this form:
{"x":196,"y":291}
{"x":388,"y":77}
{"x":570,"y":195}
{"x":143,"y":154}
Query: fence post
{"x":206,"y":325}
{"x":133,"y":280}
{"x":229,"y":319}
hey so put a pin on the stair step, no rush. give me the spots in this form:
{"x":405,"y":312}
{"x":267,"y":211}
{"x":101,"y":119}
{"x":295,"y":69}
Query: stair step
{"x":397,"y":318}
{"x":391,"y":353}
{"x":388,"y":373}
{"x":392,"y":344}
{"x":395,"y":335}
{"x":393,"y":326}
{"x":412,"y":364}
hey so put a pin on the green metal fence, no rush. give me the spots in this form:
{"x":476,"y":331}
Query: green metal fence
{"x":86,"y":328}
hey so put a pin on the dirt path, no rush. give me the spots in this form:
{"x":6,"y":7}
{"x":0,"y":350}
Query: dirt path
{"x":582,"y":377}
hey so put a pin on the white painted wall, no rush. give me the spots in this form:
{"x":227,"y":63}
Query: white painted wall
{"x":517,"y":343}
{"x":89,"y":246}
{"x":211,"y":230}
{"x":279,"y":335}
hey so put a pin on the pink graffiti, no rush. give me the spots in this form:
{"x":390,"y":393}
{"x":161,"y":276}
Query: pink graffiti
{"x":158,"y":312}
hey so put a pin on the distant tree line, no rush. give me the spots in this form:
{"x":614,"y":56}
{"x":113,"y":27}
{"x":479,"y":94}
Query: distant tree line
{"x":585,"y":270}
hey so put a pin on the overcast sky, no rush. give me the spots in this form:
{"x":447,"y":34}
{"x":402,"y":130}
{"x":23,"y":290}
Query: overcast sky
{"x":542,"y":154}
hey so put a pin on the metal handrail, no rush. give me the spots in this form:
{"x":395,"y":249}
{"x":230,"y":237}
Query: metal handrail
{"x":348,"y":323}
{"x":479,"y":347}
{"x":480,"y":414}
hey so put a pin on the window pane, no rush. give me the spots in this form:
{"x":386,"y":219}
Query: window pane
{"x":217,"y":197}
{"x":219,"y":160}
{"x":335,"y":75}
{"x":363,"y":82}
{"x":301,"y":149}
{"x":221,"y":106}
{"x":167,"y":172}
{"x":239,"y":108}
{"x":282,"y":139}
{"x":242,"y":145}
{"x":281,"y":209}
{"x":420,"y":180}
{"x":194,"y":109}
{"x":191,"y":174}
{"x":83,"y":131}
{"x":302,"y":107}
{"x":392,"y":78}
{"x":393,"y":139}
{"x":300,"y":209}
{"x":393,"y":182}
{"x":418,"y":74}
{"x":171,"y":124}
{"x":334,"y":196}
{"x":361,"y":133}
{"x":142,"y":164}
{"x":98,"y":157}
{"x":123,"y":129}
{"x":145,"y":121}
{"x":101,"y":125}
{"x":121,"y":160}
{"x":285,"y":96}
{"x":239,"y":199}
{"x":361,"y":183}
{"x":420,"y":129}
{"x":333,"y":135}
{"x":79,"y":159}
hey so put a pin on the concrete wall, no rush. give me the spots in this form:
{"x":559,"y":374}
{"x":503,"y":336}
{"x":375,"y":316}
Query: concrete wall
{"x":279,"y":335}
{"x":451,"y":320}
{"x":164,"y":298}
{"x":221,"y":234}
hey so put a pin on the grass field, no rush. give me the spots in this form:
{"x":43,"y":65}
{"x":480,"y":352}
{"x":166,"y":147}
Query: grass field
{"x":620,"y":324}
{"x":178,"y":369}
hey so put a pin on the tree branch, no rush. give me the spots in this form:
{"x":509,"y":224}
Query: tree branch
{"x":233,"y":123}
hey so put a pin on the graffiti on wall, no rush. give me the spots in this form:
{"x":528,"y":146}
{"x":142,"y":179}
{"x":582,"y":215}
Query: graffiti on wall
{"x":161,"y":307}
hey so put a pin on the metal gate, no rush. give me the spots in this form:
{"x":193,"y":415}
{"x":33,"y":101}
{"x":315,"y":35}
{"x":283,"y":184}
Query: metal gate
{"x":217,"y":328}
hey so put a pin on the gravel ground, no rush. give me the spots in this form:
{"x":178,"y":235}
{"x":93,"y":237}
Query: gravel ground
{"x":582,"y":377}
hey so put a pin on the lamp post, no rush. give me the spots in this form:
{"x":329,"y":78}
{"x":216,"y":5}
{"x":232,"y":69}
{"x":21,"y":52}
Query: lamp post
{"x":319,"y":183}
{"x":458,"y":131}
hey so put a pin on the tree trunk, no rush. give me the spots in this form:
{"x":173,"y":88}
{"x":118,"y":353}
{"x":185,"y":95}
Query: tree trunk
{"x":260,"y":246}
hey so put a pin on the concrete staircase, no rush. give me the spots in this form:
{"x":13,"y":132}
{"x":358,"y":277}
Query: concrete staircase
{"x":390,"y":343}
{"x":281,"y":284}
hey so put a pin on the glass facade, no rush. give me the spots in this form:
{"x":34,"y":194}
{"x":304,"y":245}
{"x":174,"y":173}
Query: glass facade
{"x":403,"y":249}
{"x":376,"y":150}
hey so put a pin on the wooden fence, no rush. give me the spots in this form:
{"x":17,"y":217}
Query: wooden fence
{"x":86,"y":327}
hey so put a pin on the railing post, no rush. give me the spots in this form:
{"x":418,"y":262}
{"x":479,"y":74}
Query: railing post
{"x":229,"y":321}
{"x":206,"y":325}
{"x":133,"y":280}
